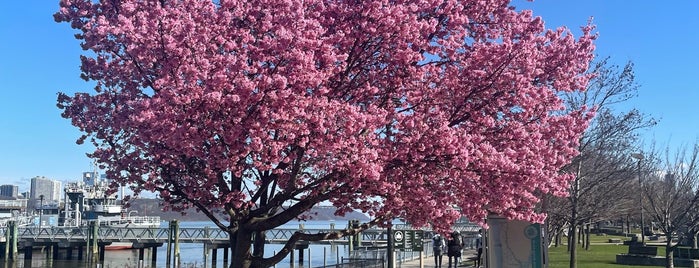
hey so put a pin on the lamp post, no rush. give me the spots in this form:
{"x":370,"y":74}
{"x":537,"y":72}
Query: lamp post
{"x":41,"y":209}
{"x":639,"y":157}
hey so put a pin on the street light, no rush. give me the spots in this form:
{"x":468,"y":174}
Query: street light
{"x":41,"y":209}
{"x":639,"y":157}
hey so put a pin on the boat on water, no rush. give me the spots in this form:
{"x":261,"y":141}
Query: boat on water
{"x":90,"y":200}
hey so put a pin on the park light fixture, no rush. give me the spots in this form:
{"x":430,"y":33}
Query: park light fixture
{"x":639,"y":157}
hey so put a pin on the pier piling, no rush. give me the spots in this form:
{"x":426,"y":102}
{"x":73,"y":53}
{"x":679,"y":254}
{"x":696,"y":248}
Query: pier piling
{"x":12,"y":229}
{"x":225,"y":256}
{"x":173,"y":243}
{"x":153,"y":255}
{"x":28,"y":253}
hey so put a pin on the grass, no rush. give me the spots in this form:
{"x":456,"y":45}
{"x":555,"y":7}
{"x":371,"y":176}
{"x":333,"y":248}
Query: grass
{"x":602,"y":256}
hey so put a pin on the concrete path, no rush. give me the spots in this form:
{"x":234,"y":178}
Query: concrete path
{"x":428,"y":262}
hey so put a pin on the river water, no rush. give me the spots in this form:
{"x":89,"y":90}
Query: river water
{"x":192,"y":255}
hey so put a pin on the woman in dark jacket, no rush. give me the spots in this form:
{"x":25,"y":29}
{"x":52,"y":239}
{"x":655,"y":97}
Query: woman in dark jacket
{"x":454,"y":246}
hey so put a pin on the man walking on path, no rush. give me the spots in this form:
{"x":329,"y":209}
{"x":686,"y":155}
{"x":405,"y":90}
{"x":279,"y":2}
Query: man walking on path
{"x":479,"y":250}
{"x":454,"y":246}
{"x":438,"y":245}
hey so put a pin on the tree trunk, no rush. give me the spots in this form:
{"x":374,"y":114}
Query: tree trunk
{"x":573,"y":246}
{"x":628,"y":224}
{"x":587,"y":237}
{"x":557,"y":239}
{"x":240,"y":246}
{"x":669,"y":261}
{"x":258,"y":249}
{"x":694,"y":239}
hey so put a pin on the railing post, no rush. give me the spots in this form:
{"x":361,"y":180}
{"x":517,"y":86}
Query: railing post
{"x":153,"y":256}
{"x":170,"y":237}
{"x":15,"y":237}
{"x":205,"y":246}
{"x":177,"y":242}
{"x":94,"y":249}
{"x":389,"y":249}
{"x":8,"y":238}
{"x":206,"y":256}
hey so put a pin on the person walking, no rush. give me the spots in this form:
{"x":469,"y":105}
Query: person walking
{"x":438,"y":246}
{"x":454,"y":246}
{"x":479,"y":250}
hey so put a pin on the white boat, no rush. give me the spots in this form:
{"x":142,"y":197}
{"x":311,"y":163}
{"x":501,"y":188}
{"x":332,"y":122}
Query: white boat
{"x":89,"y":200}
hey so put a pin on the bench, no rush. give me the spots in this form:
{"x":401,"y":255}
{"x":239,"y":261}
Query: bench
{"x":643,"y":250}
{"x":686,"y":253}
{"x":615,"y":240}
{"x":474,"y":259}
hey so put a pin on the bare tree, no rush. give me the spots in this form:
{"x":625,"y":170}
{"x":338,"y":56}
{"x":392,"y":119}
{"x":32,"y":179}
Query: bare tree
{"x":671,"y":188}
{"x":603,"y":165}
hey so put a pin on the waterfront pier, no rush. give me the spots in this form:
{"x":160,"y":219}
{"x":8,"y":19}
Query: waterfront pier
{"x":90,"y":242}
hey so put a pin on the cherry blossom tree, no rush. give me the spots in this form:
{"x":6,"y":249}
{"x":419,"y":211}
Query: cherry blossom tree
{"x":255,"y":111}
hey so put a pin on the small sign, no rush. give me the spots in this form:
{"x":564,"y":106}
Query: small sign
{"x":417,"y":238}
{"x":408,"y":240}
{"x":398,"y":239}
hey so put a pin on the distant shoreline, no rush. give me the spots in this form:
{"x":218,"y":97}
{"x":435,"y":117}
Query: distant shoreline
{"x":151,"y":207}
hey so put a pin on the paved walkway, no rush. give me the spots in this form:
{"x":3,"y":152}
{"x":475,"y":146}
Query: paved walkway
{"x":428,"y":262}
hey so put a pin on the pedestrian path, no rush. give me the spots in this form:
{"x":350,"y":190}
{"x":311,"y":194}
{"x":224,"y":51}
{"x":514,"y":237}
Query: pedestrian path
{"x":428,"y":262}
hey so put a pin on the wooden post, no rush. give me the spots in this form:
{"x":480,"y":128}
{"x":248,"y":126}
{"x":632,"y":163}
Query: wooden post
{"x":205,"y":254}
{"x":153,"y":256}
{"x":101,"y":252}
{"x":225,"y":256}
{"x":55,"y":251}
{"x":8,"y":240}
{"x":28,"y":253}
{"x":351,"y":244}
{"x":94,"y":235}
{"x":291,"y":259}
{"x":140,"y":254}
{"x":389,"y":249}
{"x":300,"y":255}
{"x":170,"y":237}
{"x":6,"y":256}
{"x":422,"y":258}
{"x":205,"y":246}
{"x":177,"y":242}
{"x":14,"y":233}
{"x":214,"y":252}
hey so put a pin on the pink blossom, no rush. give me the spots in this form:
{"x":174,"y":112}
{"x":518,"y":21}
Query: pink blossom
{"x":399,"y":109}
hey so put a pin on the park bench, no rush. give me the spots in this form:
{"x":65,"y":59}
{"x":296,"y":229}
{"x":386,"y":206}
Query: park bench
{"x":686,"y":253}
{"x":473,"y":259}
{"x":615,"y":240}
{"x":643,"y":250}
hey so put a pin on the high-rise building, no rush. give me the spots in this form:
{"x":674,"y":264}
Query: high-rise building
{"x":9,"y":190}
{"x":49,"y":189}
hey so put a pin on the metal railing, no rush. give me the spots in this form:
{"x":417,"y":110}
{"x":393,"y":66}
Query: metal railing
{"x":372,"y":236}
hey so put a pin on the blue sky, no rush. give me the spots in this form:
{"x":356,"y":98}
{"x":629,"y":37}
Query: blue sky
{"x":39,"y":57}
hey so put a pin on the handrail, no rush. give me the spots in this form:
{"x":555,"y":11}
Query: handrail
{"x":186,"y":234}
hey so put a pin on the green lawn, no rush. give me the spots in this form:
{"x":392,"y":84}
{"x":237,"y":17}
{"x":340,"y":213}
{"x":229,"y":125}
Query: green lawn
{"x":602,"y":256}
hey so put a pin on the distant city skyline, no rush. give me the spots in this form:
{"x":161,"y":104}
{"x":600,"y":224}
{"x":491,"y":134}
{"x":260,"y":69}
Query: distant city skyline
{"x":9,"y":190}
{"x":45,"y":191}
